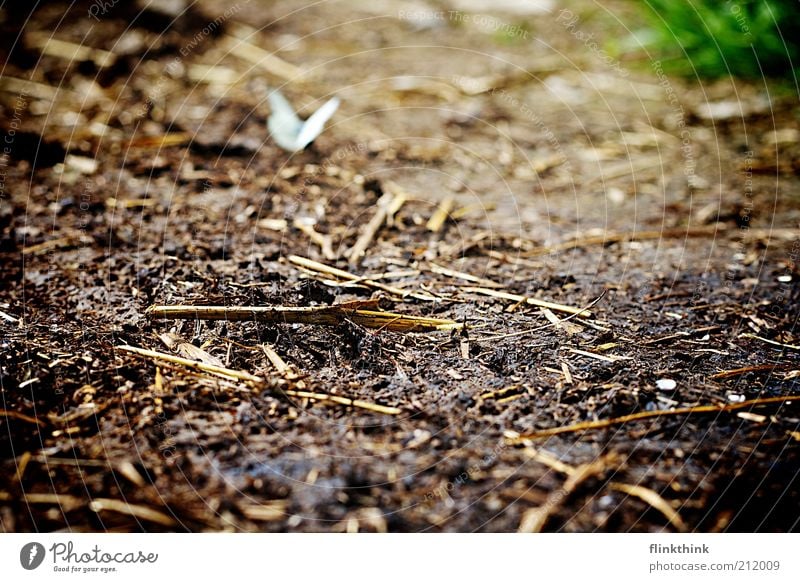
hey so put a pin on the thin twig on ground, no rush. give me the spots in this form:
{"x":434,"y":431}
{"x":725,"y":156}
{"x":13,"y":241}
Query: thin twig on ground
{"x":598,"y":424}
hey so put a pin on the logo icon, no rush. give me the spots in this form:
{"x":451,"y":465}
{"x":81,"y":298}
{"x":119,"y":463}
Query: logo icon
{"x":31,"y":555}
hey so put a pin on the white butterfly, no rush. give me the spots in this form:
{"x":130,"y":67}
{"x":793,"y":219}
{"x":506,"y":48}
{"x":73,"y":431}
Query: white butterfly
{"x":288,"y":130}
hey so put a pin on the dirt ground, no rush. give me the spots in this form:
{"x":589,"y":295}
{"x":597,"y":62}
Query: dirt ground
{"x":139,"y":172}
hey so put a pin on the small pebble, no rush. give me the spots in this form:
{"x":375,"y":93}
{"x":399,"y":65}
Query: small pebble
{"x":666,"y":384}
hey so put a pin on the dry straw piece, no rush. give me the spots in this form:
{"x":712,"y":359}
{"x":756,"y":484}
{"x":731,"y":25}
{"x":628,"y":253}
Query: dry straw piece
{"x":325,"y":315}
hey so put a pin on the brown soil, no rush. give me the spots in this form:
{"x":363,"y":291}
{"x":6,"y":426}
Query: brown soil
{"x":533,"y":135}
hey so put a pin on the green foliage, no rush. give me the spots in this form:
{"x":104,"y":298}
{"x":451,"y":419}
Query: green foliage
{"x":713,"y":38}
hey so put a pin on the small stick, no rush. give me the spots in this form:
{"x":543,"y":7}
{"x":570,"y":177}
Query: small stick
{"x":647,"y":495}
{"x":188,"y":350}
{"x":70,"y":51}
{"x":226,"y":373}
{"x":275,"y":359}
{"x":400,"y":198}
{"x":60,"y":243}
{"x":542,"y":327}
{"x":679,"y":335}
{"x":617,"y":237}
{"x":464,"y":346}
{"x":439,"y":217}
{"x":9,"y":318}
{"x":127,"y":470}
{"x":327,"y":315}
{"x":769,"y":341}
{"x":356,"y":253}
{"x":552,"y":318}
{"x":745,"y":370}
{"x":268,"y":61}
{"x":566,"y":372}
{"x":159,"y":141}
{"x":530,"y":301}
{"x":20,"y":416}
{"x":37,"y":90}
{"x":462,"y":247}
{"x":460,"y":213}
{"x":569,"y":327}
{"x":390,"y":410}
{"x":654,"y":500}
{"x":274,"y":224}
{"x":440,"y":270}
{"x":625,"y":168}
{"x":270,"y":511}
{"x":257,"y":381}
{"x":550,"y":460}
{"x":66,"y":502}
{"x":511,"y":259}
{"x":24,"y":459}
{"x":685,"y":232}
{"x":137,"y":511}
{"x":598,"y":424}
{"x":286,"y":370}
{"x":543,"y":164}
{"x":534,"y":520}
{"x":322,"y":240}
{"x":339,"y":273}
{"x":212,"y":74}
{"x":71,"y":502}
{"x":597,"y":356}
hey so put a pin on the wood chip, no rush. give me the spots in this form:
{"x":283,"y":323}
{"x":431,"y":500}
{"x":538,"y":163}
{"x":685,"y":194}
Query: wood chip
{"x":270,"y":511}
{"x":441,"y":214}
{"x":567,"y":373}
{"x":189,"y":350}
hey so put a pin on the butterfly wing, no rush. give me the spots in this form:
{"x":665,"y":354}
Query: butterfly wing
{"x":314,"y":125}
{"x":283,"y":124}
